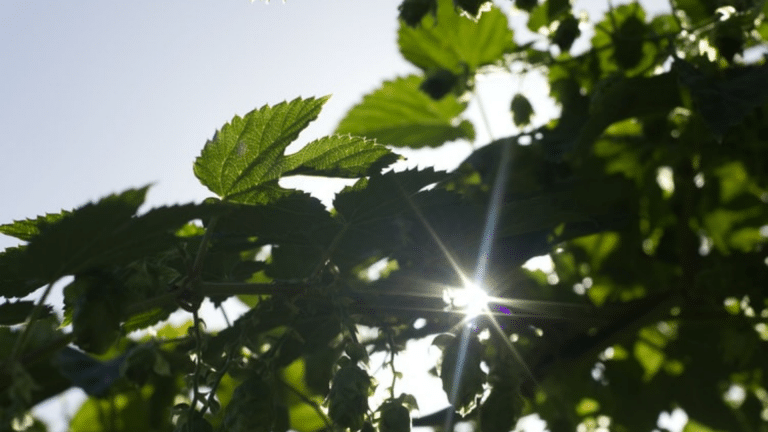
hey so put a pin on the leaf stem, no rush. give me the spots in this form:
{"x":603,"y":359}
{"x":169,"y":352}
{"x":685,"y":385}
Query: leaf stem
{"x":203,"y":249}
{"x":18,"y":347}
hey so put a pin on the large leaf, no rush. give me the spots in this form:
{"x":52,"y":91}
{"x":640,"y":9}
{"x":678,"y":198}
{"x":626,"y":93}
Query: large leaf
{"x":401,"y":115}
{"x":341,"y":156}
{"x":456,"y":42}
{"x":244,"y":160}
{"x":28,"y":228}
{"x":247,"y":154}
{"x":104,"y":233}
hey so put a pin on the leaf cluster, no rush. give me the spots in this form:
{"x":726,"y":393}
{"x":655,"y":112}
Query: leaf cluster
{"x":648,"y":193}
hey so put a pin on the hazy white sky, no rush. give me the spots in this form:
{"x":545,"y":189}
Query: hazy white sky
{"x":98,"y":96}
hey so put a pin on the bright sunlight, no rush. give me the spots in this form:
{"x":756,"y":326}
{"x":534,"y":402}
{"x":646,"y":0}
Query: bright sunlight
{"x":471,"y":299}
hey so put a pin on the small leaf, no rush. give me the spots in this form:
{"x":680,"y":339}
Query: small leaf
{"x":412,"y":11}
{"x":394,"y":417}
{"x":522,"y":111}
{"x":455,"y":42}
{"x":460,"y":372}
{"x":500,"y":410}
{"x":348,"y":399}
{"x":567,"y":32}
{"x":472,"y":7}
{"x":245,"y":158}
{"x":439,"y":83}
{"x":628,"y":42}
{"x":526,"y":5}
{"x":401,"y":115}
{"x":252,"y":407}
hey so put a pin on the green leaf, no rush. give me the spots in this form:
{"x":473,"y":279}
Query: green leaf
{"x":412,"y":11}
{"x":245,"y":158}
{"x":725,"y":102}
{"x":401,"y":115}
{"x":694,"y":426}
{"x":28,"y":228}
{"x":17,"y":312}
{"x":618,"y":98}
{"x":340,"y":156}
{"x":628,"y":42}
{"x":455,"y":42}
{"x":522,"y":111}
{"x":545,"y":13}
{"x":107,"y":232}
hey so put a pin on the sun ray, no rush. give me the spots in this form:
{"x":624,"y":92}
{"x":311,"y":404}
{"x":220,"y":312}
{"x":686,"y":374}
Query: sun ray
{"x":471,"y":299}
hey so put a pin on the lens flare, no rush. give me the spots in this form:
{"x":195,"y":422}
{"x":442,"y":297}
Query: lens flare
{"x":471,"y":299}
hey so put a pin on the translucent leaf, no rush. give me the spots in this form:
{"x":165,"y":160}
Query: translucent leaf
{"x":401,"y":115}
{"x":248,"y":152}
{"x":28,"y":228}
{"x":340,"y":156}
{"x":455,"y":42}
{"x":246,"y":158}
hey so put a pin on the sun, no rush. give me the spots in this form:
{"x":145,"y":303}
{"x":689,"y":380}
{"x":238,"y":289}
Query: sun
{"x":470,"y":299}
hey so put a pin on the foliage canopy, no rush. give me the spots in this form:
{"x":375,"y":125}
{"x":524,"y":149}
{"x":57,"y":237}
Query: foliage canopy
{"x":648,"y":192}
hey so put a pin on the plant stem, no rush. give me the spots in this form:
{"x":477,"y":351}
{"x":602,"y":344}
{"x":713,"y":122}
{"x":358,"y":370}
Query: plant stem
{"x":18,"y":347}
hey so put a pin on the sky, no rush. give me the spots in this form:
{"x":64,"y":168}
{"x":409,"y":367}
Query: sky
{"x":99,"y":96}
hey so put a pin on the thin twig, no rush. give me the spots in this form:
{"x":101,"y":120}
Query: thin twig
{"x":304,"y":398}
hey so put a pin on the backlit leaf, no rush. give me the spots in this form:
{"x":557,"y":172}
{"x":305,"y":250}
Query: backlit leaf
{"x":455,"y":42}
{"x":28,"y":228}
{"x":340,"y":156}
{"x":401,"y":115}
{"x":247,"y":154}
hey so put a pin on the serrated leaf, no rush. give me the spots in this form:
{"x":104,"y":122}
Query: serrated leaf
{"x":17,"y":312}
{"x":246,"y":156}
{"x":383,"y":196}
{"x":455,"y":42}
{"x":340,"y":156}
{"x":401,"y":115}
{"x":28,"y":228}
{"x":106,"y":232}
